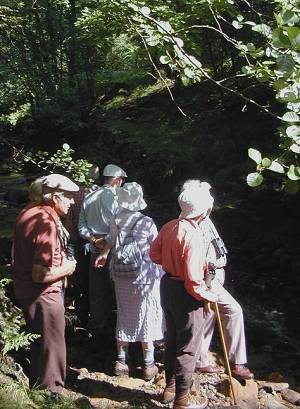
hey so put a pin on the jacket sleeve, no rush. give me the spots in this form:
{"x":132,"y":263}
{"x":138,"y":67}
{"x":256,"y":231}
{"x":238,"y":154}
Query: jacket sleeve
{"x":156,"y":250}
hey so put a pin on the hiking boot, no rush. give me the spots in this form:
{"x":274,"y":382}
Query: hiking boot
{"x":149,"y":372}
{"x":241,"y":372}
{"x":121,"y":369}
{"x":207,"y":369}
{"x":185,"y":401}
{"x":169,"y":392}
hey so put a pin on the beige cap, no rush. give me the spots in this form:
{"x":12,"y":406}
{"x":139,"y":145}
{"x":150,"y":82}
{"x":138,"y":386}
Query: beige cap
{"x":114,"y":171}
{"x":59,"y":182}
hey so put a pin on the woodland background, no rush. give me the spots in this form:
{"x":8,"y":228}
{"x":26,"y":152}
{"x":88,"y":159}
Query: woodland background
{"x":168,"y":90}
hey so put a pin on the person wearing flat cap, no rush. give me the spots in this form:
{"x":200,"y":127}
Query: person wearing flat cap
{"x":180,"y":249}
{"x":96,"y":211}
{"x":40,"y":269}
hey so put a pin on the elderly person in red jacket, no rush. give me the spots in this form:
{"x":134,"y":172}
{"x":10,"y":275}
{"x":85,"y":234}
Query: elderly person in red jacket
{"x":181,"y":251}
{"x":40,"y":269}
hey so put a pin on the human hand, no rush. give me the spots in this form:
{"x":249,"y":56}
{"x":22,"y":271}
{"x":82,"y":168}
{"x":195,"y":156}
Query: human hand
{"x":206,"y":309}
{"x":101,"y":260}
{"x":70,"y":266}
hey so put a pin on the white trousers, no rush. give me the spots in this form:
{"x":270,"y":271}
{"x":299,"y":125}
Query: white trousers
{"x":233,"y":326}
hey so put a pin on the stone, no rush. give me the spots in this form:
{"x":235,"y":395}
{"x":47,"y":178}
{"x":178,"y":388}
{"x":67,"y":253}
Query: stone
{"x":130,"y":383}
{"x":272,"y":386}
{"x":246,"y":395}
{"x":291,"y":396}
{"x":83,"y":403}
{"x":272,"y":402}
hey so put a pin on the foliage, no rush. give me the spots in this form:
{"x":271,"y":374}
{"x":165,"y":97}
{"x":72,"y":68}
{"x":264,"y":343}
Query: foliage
{"x":271,"y":54}
{"x":62,"y":161}
{"x":16,"y":395}
{"x":11,"y":337}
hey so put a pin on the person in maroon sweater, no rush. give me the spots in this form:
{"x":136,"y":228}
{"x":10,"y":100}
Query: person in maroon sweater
{"x":40,"y":269}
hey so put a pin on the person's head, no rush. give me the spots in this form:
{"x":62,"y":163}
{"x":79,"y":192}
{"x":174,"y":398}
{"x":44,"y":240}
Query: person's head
{"x":130,"y":197}
{"x":195,"y":200}
{"x":114,"y":175}
{"x":55,"y":190}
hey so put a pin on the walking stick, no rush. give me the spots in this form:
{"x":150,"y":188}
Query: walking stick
{"x":224,"y":350}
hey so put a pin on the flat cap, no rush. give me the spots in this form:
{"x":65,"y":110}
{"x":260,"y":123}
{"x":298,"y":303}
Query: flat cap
{"x":59,"y":182}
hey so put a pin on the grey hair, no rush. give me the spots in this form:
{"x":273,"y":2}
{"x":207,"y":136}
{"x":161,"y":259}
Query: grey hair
{"x":38,"y":193}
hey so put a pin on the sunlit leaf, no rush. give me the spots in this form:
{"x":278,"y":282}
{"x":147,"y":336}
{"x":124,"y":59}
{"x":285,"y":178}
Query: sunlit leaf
{"x":276,"y":167}
{"x":290,"y":117}
{"x":254,"y":179}
{"x":293,"y":173}
{"x":254,"y":155}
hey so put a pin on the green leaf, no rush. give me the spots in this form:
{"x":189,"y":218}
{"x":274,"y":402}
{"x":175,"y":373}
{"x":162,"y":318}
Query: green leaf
{"x":293,"y":131}
{"x":263,"y":29}
{"x":266,"y":162}
{"x":164,"y":59}
{"x":276,"y":167}
{"x":293,"y":173}
{"x":290,"y":117}
{"x":145,"y":11}
{"x":237,"y":25}
{"x":291,"y":186}
{"x":295,"y":148}
{"x":254,"y":155}
{"x":285,"y":64}
{"x":186,"y":81}
{"x":289,"y":18}
{"x":254,"y":179}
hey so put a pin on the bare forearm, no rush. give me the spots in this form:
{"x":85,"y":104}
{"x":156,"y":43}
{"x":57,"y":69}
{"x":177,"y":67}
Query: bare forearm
{"x":42,"y":274}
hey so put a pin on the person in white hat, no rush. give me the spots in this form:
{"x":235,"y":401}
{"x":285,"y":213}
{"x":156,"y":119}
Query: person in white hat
{"x":40,"y":268}
{"x":230,"y":310}
{"x":94,"y":219}
{"x":139,"y":313}
{"x":180,"y":249}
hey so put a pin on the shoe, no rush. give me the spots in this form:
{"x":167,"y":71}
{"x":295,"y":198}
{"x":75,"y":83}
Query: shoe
{"x":185,"y":401}
{"x":169,"y":392}
{"x":149,"y":372}
{"x":121,"y":369}
{"x":241,"y":372}
{"x":208,"y":369}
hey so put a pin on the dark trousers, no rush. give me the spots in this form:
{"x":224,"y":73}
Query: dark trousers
{"x":81,"y":281}
{"x":45,"y":316}
{"x":101,"y":295}
{"x":184,"y":320}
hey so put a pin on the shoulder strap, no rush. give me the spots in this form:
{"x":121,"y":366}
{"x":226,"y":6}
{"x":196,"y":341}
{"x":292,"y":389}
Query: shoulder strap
{"x":135,"y":223}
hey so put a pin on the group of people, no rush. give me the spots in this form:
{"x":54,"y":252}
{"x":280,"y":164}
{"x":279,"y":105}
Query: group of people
{"x":162,"y":283}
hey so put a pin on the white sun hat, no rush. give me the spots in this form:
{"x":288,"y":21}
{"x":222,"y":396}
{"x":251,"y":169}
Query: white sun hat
{"x":130,"y":197}
{"x":195,"y":200}
{"x":111,"y":170}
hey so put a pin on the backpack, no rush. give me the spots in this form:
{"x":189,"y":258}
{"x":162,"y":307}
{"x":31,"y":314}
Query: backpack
{"x":127,"y":257}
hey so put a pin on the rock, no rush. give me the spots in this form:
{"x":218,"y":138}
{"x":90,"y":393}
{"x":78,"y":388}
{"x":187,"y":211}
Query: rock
{"x":272,"y":386}
{"x":229,"y":407}
{"x":272,"y":402}
{"x":130,"y":383}
{"x":83,"y":403}
{"x":246,"y":396}
{"x":291,"y":396}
